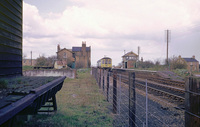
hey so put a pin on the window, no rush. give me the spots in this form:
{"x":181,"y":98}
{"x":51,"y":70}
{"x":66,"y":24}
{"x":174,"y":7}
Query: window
{"x":64,"y":55}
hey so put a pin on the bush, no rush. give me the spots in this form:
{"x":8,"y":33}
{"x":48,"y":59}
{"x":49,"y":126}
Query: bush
{"x":146,"y":64}
{"x":43,"y":61}
{"x":176,"y":64}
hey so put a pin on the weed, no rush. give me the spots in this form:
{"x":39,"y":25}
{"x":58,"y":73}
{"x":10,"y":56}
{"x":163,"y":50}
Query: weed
{"x":3,"y":83}
{"x":19,"y":81}
{"x":26,"y":68}
{"x":79,"y":104}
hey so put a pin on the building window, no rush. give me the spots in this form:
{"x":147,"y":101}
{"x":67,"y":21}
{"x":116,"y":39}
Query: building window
{"x":64,"y":55}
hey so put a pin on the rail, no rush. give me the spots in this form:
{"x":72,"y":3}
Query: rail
{"x":130,"y":106}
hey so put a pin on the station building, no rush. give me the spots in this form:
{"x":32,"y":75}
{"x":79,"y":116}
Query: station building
{"x":77,"y":57}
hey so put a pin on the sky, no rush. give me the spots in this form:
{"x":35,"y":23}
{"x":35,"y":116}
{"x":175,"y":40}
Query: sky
{"x":112,"y":27}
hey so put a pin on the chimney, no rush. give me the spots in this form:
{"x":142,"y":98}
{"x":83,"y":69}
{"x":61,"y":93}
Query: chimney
{"x":193,"y":56}
{"x":179,"y":56}
{"x":83,"y":46}
{"x":58,"y":48}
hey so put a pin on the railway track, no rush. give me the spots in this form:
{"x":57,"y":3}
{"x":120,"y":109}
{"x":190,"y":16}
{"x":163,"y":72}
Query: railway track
{"x":162,"y":80}
{"x":166,"y":88}
{"x":179,"y":97}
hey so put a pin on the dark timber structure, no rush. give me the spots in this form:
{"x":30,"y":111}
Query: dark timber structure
{"x":10,"y":37}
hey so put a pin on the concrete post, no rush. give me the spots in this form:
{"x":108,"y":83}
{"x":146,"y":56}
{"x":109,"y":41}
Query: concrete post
{"x":192,"y":102}
{"x":114,"y":92}
{"x":131,"y":99}
{"x":103,"y":79}
{"x":108,"y":85}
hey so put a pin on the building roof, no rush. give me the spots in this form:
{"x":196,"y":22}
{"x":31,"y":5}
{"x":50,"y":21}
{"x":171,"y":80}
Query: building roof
{"x":130,"y":54}
{"x":190,"y":60}
{"x":65,"y":49}
{"x":78,"y":49}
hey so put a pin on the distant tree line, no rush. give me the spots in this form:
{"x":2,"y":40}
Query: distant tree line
{"x":43,"y":61}
{"x":173,"y":64}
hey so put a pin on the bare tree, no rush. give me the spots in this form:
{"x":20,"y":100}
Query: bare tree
{"x":43,"y":61}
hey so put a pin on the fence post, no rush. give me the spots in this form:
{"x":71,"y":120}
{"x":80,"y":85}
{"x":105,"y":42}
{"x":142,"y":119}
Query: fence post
{"x":120,"y":94}
{"x":103,"y":79}
{"x":146,"y":104}
{"x":192,"y":102}
{"x":108,"y":85}
{"x":96,"y":71}
{"x":131,"y":99}
{"x":100,"y":79}
{"x":114,"y":92}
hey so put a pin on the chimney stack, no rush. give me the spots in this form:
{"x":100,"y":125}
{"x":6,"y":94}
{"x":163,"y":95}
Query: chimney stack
{"x":193,"y":56}
{"x":58,"y":47}
{"x":83,"y":46}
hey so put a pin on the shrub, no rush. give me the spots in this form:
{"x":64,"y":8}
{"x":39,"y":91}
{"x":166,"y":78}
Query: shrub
{"x":146,"y":64}
{"x":176,"y":64}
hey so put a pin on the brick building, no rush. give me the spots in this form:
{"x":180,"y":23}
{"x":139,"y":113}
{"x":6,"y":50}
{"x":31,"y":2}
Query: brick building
{"x":129,"y":60}
{"x":77,"y":57}
{"x":192,"y":63}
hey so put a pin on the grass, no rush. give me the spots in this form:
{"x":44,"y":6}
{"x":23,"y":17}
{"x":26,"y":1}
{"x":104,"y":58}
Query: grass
{"x":182,"y":72}
{"x":79,"y":104}
{"x":26,"y":68}
{"x":3,"y":83}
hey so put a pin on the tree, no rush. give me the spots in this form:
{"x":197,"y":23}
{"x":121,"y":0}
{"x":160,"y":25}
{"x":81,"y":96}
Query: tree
{"x":146,"y":64}
{"x":176,"y":64}
{"x":47,"y":62}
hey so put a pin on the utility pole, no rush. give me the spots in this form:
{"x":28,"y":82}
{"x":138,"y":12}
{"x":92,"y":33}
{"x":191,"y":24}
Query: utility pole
{"x":138,"y":52}
{"x":167,"y":60}
{"x":31,"y":58}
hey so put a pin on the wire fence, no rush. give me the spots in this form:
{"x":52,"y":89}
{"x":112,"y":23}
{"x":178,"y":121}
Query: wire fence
{"x":136,"y":106}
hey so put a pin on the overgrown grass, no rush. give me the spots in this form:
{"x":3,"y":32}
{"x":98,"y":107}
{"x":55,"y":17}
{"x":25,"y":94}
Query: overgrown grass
{"x":182,"y":72}
{"x":3,"y":83}
{"x":26,"y":68}
{"x":80,"y":104}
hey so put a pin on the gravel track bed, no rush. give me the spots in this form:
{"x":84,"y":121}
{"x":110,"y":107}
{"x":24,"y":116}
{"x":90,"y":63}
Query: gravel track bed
{"x":161,"y":114}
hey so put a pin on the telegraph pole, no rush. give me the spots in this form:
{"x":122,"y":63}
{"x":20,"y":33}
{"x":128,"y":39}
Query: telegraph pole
{"x":138,"y":52}
{"x":167,"y":60}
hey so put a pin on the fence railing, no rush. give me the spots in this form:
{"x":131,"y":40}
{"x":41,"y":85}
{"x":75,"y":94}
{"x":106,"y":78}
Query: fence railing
{"x":134,"y":104}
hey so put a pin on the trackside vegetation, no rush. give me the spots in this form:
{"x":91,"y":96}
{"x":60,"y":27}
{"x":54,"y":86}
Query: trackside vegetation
{"x":80,"y":104}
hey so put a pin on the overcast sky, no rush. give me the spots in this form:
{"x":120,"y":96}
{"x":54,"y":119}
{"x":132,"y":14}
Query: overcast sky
{"x":112,"y":26}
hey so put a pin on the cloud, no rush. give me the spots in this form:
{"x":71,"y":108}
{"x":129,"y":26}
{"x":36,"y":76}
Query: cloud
{"x":111,"y":27}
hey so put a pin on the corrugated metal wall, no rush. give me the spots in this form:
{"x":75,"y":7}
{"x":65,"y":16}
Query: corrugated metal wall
{"x":10,"y":37}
